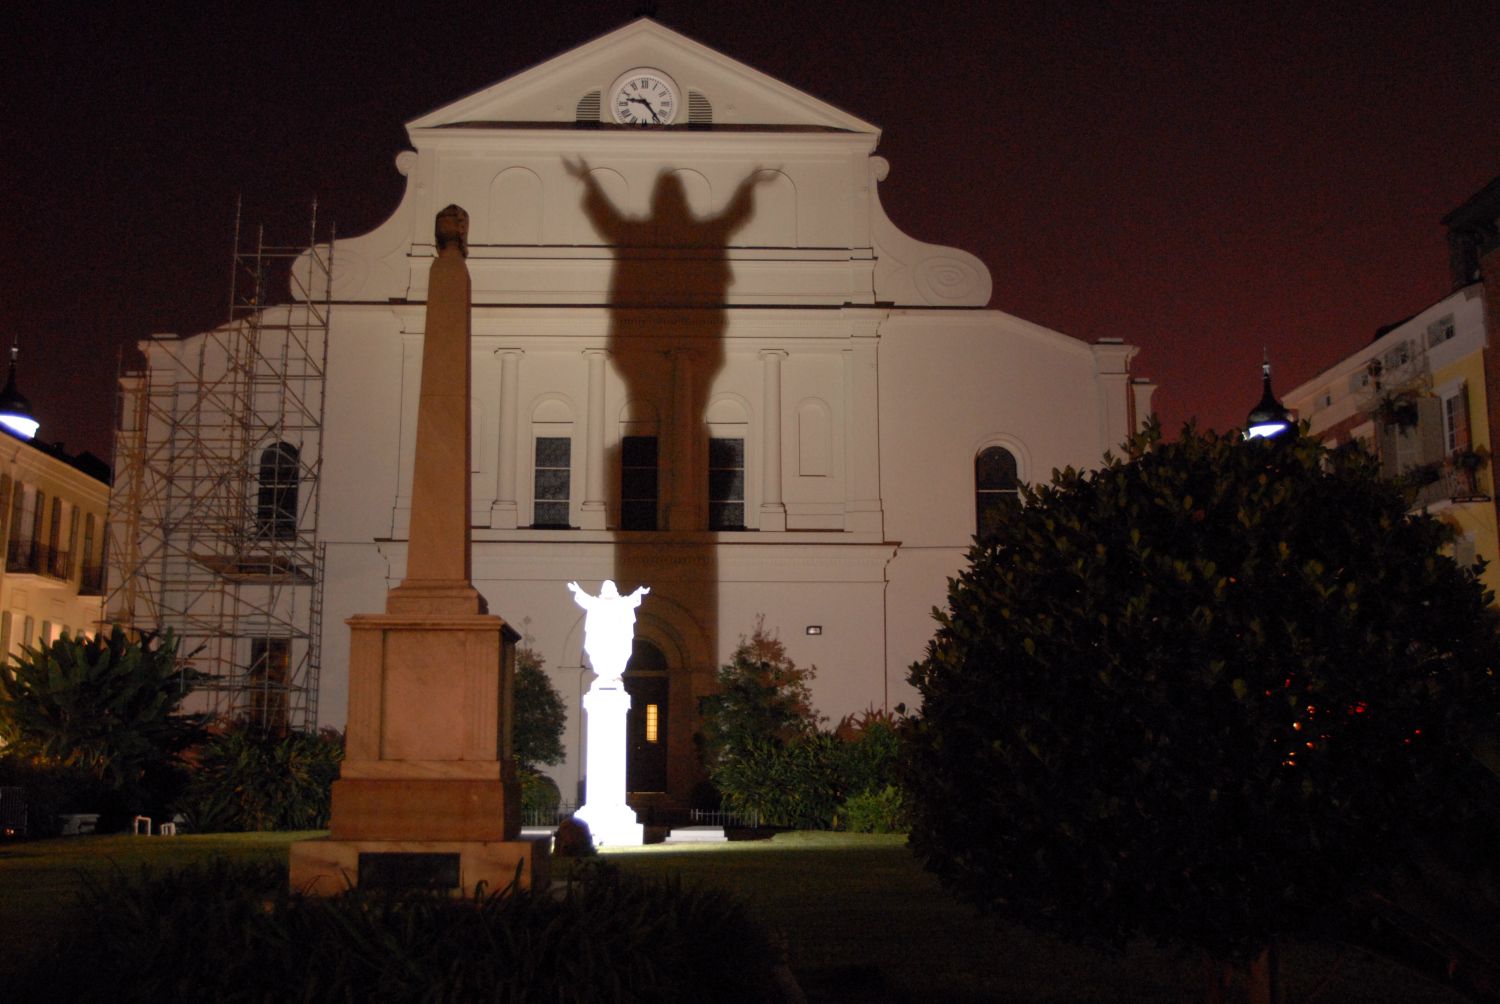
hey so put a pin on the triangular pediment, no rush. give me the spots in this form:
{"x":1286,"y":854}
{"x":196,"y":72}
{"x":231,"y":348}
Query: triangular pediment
{"x":738,"y":95}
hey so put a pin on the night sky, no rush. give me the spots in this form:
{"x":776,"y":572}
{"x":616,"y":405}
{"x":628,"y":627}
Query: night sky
{"x":1201,"y":180}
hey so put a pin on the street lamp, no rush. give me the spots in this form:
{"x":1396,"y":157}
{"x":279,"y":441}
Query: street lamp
{"x":15,"y":410}
{"x":1268,"y":418}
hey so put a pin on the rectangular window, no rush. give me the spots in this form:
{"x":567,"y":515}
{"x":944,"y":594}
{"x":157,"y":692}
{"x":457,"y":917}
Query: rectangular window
{"x":20,"y":555}
{"x":91,"y":577}
{"x":653,"y":723}
{"x":18,"y":512}
{"x":552,"y":484}
{"x":270,"y":661}
{"x":726,"y":484}
{"x":38,"y":516}
{"x":1456,"y":421}
{"x":70,"y":556}
{"x":638,"y":483}
{"x":56,"y":559}
{"x":1440,"y":330}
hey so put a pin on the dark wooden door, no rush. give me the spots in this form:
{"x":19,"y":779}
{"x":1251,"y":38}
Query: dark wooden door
{"x":646,"y":729}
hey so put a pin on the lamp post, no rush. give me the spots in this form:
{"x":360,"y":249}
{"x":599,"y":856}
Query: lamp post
{"x":1267,"y":419}
{"x":15,"y":410}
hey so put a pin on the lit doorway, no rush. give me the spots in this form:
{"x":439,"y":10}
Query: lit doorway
{"x":647,"y":684}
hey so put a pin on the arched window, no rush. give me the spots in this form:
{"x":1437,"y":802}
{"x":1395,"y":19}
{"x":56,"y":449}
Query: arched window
{"x":276,"y":500}
{"x":996,"y":488}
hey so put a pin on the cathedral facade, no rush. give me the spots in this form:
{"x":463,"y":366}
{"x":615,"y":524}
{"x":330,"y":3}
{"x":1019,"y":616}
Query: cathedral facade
{"x":704,"y":361}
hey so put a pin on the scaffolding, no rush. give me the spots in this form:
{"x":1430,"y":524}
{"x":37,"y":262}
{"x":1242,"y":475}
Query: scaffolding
{"x":214,"y":509}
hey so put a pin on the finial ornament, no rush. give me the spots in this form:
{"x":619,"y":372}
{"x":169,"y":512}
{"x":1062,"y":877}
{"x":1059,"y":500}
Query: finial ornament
{"x":452,"y":228}
{"x":1268,"y":418}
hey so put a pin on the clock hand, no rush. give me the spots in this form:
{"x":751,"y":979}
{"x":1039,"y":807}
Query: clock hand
{"x":643,"y":101}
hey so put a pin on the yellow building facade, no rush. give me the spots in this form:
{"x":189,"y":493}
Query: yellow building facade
{"x":52,"y":520}
{"x":1416,"y":397}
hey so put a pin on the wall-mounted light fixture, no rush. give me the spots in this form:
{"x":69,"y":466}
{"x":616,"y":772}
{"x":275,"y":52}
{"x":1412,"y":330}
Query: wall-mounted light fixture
{"x":814,"y":629}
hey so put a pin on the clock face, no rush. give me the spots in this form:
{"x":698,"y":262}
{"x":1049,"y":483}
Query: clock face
{"x":643,"y":97}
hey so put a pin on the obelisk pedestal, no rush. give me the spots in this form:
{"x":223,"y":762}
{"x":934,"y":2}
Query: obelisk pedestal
{"x":610,"y":820}
{"x":427,"y":794}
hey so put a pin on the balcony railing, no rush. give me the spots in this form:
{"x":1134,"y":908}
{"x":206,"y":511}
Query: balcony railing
{"x":23,"y":556}
{"x":57,"y":564}
{"x":1445,"y":482}
{"x":30,"y":558}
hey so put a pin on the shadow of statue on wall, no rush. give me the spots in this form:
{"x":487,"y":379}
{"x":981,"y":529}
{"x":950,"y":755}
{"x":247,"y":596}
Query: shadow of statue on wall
{"x":672,"y":482}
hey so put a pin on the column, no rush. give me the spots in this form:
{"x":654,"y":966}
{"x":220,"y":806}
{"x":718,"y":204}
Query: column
{"x":591,"y":516}
{"x":772,"y":508}
{"x":862,"y":508}
{"x":503,"y":511}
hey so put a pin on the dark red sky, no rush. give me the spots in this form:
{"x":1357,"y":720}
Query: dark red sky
{"x":1198,"y":179}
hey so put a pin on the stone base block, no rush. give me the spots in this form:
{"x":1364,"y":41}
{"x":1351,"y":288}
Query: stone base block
{"x":328,"y":867}
{"x":441,"y":810}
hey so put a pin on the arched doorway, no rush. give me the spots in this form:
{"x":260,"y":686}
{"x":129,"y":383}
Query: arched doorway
{"x":647,"y":684}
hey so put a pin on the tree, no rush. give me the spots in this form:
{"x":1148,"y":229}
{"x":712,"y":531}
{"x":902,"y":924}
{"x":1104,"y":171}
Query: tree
{"x":761,"y":696}
{"x":760,"y":740}
{"x":108,"y":704}
{"x":540,"y":714}
{"x":1203,"y":695}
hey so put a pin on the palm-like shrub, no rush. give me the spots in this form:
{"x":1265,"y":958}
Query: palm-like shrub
{"x":108,"y":705}
{"x":244,"y":779}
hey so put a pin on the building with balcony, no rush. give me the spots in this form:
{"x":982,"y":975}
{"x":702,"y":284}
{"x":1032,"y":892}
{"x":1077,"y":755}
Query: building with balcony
{"x":52,"y":519}
{"x":1424,"y":395}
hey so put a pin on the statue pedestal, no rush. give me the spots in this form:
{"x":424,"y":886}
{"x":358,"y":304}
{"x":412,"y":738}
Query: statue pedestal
{"x":427,"y":793}
{"x":610,"y":820}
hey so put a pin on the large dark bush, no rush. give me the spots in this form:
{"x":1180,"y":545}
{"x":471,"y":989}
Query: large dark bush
{"x":796,"y":784}
{"x":246,"y":779}
{"x":540,"y":797}
{"x":233,"y":933}
{"x":1205,"y":694}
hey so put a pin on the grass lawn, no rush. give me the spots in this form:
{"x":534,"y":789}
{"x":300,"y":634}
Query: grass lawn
{"x":863,"y":923}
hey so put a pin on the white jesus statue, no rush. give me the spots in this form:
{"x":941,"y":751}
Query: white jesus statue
{"x":608,"y":628}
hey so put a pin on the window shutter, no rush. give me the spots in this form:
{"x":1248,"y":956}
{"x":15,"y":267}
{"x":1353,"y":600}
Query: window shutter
{"x":588,"y":108}
{"x":1430,"y":429}
{"x":700,"y":111}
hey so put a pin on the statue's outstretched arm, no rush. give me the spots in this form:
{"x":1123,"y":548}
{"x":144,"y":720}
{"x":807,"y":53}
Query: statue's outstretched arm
{"x":742,"y":203}
{"x":596,"y":204}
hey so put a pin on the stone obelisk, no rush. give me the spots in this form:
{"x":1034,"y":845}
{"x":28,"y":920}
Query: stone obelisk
{"x":427,"y":794}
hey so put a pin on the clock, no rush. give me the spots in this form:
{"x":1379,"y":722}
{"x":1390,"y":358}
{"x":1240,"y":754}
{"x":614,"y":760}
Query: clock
{"x":644,"y":97}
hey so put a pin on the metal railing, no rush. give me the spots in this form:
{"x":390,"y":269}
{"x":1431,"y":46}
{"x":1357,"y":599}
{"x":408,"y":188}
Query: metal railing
{"x":549,"y":818}
{"x":21,"y":556}
{"x":31,"y":558}
{"x":657,"y":815}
